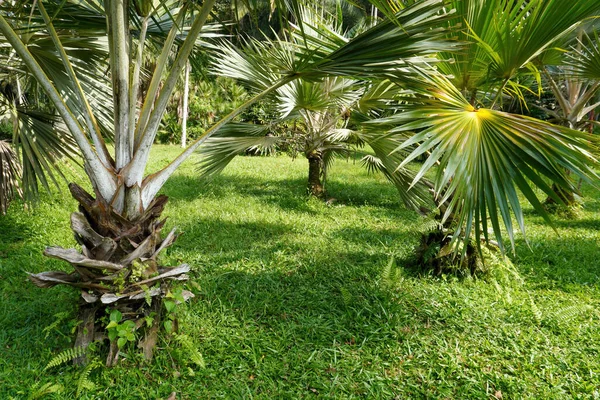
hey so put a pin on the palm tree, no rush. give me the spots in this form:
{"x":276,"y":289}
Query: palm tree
{"x":311,"y":118}
{"x":484,"y":157}
{"x":118,"y":225}
{"x":307,"y":116}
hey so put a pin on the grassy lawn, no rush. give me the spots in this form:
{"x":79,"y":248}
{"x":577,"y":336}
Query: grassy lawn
{"x":293,"y":300}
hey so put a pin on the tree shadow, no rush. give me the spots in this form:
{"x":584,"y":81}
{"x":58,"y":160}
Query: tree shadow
{"x":287,"y":194}
{"x":222,"y":241}
{"x":560,"y":261}
{"x":13,"y":230}
{"x":284,"y":193}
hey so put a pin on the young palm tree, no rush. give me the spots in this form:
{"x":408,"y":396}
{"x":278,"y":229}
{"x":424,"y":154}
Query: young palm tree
{"x":311,"y":118}
{"x":118,"y":225}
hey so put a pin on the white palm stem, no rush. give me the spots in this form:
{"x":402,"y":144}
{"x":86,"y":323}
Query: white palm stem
{"x":153,"y":88}
{"x":153,"y":183}
{"x":135,"y":81}
{"x":88,"y":115}
{"x":118,"y":39}
{"x":136,"y":170}
{"x":186,"y":94}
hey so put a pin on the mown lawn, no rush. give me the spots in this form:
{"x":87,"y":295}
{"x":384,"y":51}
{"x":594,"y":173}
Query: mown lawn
{"x":294,"y":299}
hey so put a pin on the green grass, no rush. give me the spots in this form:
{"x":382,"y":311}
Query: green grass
{"x":293,"y":301}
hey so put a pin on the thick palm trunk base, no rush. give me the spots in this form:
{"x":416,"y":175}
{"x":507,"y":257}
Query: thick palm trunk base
{"x":568,"y":198}
{"x":116,"y":269}
{"x":315,"y":186}
{"x":435,"y":254}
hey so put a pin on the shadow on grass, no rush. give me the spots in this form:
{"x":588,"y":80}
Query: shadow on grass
{"x":562,"y":260}
{"x":13,"y":231}
{"x":287,"y":194}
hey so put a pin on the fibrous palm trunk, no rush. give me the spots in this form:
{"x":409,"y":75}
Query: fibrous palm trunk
{"x":315,"y":171}
{"x":117,"y":267}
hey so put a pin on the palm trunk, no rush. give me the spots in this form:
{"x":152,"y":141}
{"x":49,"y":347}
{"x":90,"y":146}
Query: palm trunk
{"x":315,"y":169}
{"x":117,"y":267}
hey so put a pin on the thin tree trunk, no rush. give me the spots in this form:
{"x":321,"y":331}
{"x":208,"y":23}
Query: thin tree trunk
{"x":186,"y":93}
{"x":315,"y":167}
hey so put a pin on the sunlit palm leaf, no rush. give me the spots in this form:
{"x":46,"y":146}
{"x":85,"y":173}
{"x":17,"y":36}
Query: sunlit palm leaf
{"x":232,"y":140}
{"x":486,"y":157}
{"x":413,"y":194}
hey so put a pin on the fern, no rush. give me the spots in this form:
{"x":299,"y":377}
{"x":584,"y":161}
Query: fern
{"x":537,"y":314}
{"x":60,"y":317}
{"x":84,"y":383}
{"x":66,"y":356}
{"x":391,"y":274}
{"x":566,"y":315}
{"x":428,"y":225}
{"x":191,"y":350}
{"x":346,"y":296}
{"x":44,"y":390}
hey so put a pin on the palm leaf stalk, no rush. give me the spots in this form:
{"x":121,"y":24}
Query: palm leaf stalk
{"x":118,"y":226}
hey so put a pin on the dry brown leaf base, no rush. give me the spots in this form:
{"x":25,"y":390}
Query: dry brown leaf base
{"x":116,"y":268}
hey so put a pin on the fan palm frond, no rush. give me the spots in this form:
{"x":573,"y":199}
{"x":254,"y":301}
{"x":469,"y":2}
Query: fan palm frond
{"x":485,"y":157}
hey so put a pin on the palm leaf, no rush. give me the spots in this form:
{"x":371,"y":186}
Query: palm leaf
{"x":231,"y":140}
{"x":502,"y":37}
{"x":380,"y":49}
{"x":42,"y":140}
{"x":585,"y":62}
{"x":486,"y":157}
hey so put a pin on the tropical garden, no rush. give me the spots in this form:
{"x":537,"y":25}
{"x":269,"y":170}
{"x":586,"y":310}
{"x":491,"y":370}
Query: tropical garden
{"x":376,"y":199}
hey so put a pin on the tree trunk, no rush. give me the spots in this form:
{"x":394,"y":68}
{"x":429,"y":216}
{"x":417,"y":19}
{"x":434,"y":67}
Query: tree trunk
{"x":116,"y":268}
{"x":315,"y":168}
{"x":567,"y":197}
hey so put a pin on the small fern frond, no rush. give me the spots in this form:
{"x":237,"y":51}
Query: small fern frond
{"x":84,"y":383}
{"x":66,"y":356}
{"x":429,"y":225}
{"x":46,"y":389}
{"x":60,"y":317}
{"x":191,"y":350}
{"x":566,"y":315}
{"x":346,"y":296}
{"x":390,"y":274}
{"x":537,"y":314}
